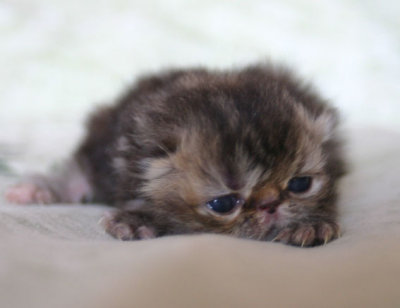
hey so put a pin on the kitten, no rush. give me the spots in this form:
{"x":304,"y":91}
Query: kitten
{"x":251,"y":153}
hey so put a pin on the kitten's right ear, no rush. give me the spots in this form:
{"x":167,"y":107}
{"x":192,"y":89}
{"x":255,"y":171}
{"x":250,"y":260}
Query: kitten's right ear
{"x":326,"y":123}
{"x":323,"y":124}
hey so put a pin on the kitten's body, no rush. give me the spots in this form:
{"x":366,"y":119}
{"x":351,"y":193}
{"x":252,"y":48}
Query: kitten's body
{"x":183,"y":138}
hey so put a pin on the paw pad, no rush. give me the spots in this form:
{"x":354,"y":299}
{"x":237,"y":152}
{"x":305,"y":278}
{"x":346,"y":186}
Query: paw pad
{"x":29,"y":193}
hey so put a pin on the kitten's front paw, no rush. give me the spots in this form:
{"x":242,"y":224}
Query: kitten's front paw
{"x":29,"y":193}
{"x":127,"y":226}
{"x":308,"y":234}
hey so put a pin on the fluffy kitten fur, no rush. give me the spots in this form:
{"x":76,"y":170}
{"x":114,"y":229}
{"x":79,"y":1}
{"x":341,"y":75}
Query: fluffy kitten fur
{"x":182,"y":138}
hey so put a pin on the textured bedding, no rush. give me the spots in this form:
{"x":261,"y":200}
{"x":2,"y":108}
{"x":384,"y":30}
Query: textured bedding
{"x":59,"y":256}
{"x":60,"y":58}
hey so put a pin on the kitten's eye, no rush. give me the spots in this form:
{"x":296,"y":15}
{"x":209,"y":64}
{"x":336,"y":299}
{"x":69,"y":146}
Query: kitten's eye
{"x":299,"y":184}
{"x":224,"y":204}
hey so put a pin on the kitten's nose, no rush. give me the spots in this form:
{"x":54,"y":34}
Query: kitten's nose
{"x":269,"y":204}
{"x":268,"y":199}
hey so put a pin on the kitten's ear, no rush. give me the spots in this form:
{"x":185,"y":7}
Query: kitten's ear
{"x":326,"y":123}
{"x":323,"y":124}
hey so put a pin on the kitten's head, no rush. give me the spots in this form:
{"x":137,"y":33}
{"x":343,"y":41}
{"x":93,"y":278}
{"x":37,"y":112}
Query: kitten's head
{"x":251,"y":152}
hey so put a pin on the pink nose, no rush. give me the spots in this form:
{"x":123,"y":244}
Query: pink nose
{"x":269,"y":204}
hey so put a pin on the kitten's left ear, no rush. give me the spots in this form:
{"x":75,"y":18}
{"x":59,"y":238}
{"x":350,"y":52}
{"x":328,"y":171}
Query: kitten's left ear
{"x":326,"y":123}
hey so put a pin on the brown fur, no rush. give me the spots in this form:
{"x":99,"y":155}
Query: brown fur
{"x":182,"y":138}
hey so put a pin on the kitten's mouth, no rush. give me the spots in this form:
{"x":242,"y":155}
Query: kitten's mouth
{"x":269,"y":215}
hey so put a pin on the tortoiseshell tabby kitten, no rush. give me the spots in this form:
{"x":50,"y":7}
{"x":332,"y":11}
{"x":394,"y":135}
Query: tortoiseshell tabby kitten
{"x":250,"y":153}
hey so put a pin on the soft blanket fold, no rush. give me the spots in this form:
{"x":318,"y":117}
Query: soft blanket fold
{"x":59,"y":256}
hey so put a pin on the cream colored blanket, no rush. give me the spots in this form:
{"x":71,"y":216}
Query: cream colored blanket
{"x":59,"y":256}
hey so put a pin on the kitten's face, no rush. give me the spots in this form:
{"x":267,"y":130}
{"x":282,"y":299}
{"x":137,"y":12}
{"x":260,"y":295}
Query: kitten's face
{"x":240,"y":184}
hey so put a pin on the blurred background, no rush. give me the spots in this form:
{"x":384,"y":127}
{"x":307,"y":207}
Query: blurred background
{"x":60,"y":58}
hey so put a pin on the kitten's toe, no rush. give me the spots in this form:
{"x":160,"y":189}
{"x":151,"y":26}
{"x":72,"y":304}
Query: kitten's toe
{"x":29,"y":193}
{"x":327,"y":232}
{"x":283,"y":236}
{"x":114,"y":227}
{"x":306,"y":235}
{"x":303,"y":236}
{"x":125,"y":228}
{"x":120,"y":231}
